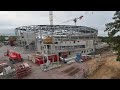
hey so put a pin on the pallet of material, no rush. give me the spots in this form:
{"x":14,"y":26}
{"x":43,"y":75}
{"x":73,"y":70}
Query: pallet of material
{"x":16,"y":71}
{"x":2,"y":65}
{"x":22,"y":70}
{"x":22,"y":74}
{"x":25,"y":71}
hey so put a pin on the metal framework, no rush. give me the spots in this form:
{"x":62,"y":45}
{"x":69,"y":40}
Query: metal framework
{"x":37,"y":28}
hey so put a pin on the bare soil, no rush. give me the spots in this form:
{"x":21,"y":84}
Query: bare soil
{"x":110,"y":69}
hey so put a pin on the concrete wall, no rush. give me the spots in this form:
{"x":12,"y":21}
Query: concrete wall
{"x":87,"y":50}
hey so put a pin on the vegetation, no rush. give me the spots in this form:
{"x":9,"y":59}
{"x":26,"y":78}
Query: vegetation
{"x":113,"y":28}
{"x":103,"y":39}
{"x":3,"y":38}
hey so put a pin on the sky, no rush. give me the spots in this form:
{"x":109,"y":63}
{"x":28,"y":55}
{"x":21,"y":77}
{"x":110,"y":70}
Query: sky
{"x":9,"y":20}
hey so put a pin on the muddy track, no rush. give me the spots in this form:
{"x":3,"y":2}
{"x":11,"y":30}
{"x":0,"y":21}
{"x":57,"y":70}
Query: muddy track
{"x":94,"y":72}
{"x":99,"y":66}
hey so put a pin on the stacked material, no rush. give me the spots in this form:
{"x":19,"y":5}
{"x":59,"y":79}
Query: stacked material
{"x":22,"y":70}
{"x":16,"y":71}
{"x":32,"y":57}
{"x":9,"y":72}
{"x":2,"y":65}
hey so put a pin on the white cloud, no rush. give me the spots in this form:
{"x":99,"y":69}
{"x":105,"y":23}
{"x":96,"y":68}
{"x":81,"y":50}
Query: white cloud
{"x":12,"y":19}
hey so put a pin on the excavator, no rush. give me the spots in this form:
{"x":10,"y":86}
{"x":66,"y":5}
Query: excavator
{"x":14,"y":56}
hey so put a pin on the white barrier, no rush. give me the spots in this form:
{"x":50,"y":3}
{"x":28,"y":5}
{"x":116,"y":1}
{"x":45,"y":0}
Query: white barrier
{"x":69,"y":59}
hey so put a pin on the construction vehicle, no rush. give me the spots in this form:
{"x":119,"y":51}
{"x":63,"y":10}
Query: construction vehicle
{"x":12,"y":41}
{"x":14,"y":56}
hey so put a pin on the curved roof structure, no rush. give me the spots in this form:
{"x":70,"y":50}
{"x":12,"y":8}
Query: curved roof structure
{"x":55,"y":27}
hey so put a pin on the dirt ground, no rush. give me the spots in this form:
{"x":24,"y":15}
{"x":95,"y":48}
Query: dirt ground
{"x":109,"y":69}
{"x":106,"y":68}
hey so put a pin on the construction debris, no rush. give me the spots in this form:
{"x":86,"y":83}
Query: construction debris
{"x":16,"y":71}
{"x":9,"y":72}
{"x":2,"y":66}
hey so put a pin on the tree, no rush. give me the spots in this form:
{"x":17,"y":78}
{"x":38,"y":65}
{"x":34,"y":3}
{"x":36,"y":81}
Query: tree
{"x":2,"y":38}
{"x":113,"y":28}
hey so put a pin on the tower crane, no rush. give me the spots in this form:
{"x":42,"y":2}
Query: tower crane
{"x":75,"y":19}
{"x":78,"y":18}
{"x":51,"y":17}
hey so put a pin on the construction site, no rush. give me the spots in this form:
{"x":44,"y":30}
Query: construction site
{"x":57,"y":52}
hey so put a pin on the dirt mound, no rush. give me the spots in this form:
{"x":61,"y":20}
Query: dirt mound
{"x":108,"y":68}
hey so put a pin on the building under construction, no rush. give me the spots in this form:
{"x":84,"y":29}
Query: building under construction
{"x":61,"y":39}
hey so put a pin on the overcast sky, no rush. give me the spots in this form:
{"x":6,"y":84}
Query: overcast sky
{"x":12,"y":19}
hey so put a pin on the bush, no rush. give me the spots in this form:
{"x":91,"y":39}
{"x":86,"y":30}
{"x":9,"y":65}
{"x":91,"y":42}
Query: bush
{"x":118,"y":58}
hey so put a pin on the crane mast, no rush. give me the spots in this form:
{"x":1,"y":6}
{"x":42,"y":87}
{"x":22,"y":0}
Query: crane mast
{"x":51,"y":17}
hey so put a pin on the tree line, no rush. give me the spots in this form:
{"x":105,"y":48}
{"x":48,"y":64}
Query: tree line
{"x":6,"y":38}
{"x":113,"y":29}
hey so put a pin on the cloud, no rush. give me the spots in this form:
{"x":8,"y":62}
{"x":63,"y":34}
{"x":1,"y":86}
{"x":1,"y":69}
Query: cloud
{"x":13,"y":19}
